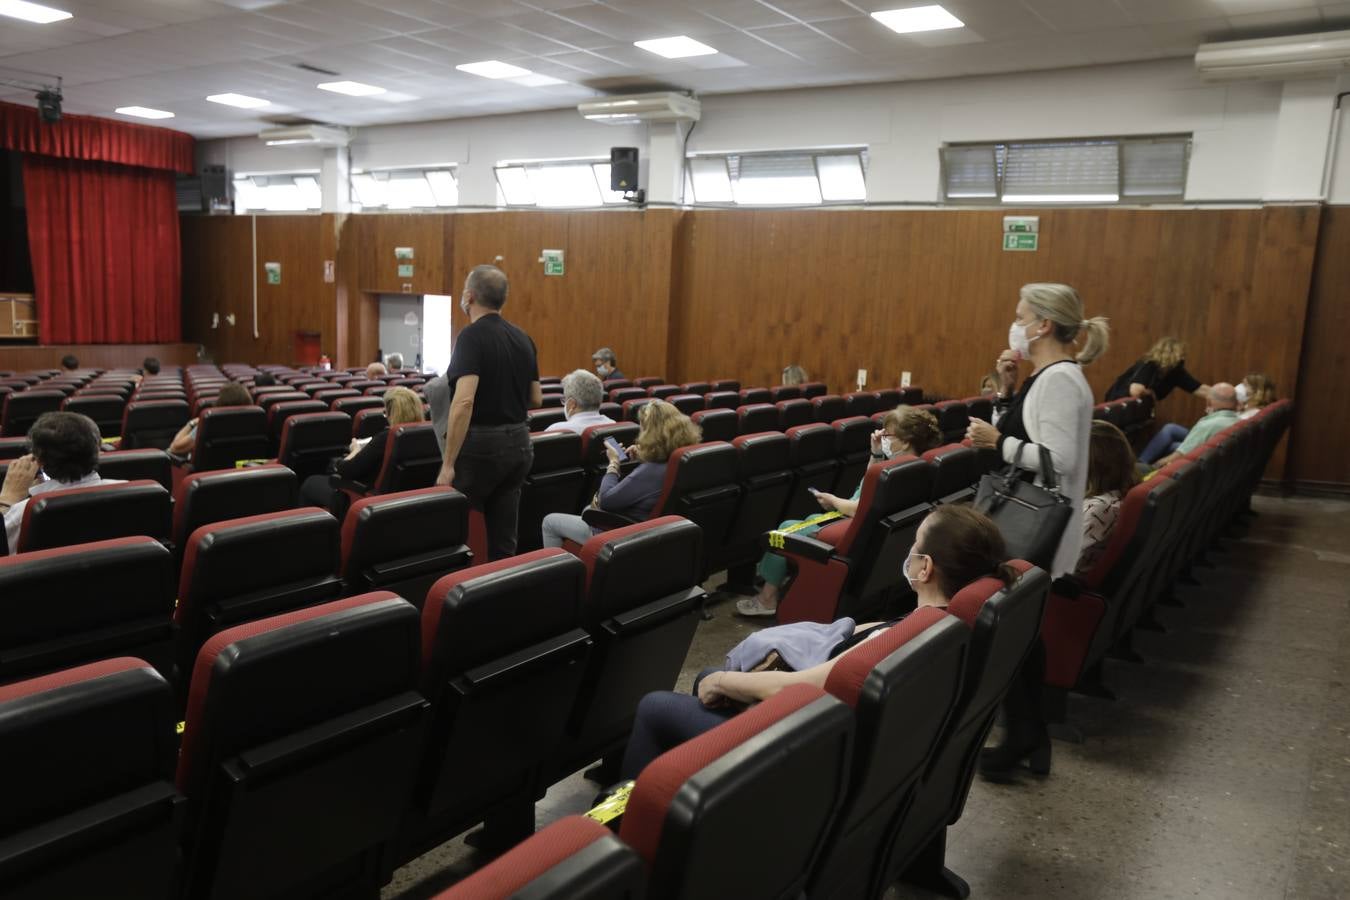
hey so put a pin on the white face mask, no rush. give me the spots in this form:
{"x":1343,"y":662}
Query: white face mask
{"x":464,"y":304}
{"x":1018,"y":340}
{"x":1243,"y":393}
{"x":904,"y":570}
{"x":568,"y":410}
{"x":602,"y":370}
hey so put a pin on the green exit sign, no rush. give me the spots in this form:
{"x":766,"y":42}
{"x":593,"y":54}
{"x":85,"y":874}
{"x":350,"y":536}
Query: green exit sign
{"x":1017,"y":240}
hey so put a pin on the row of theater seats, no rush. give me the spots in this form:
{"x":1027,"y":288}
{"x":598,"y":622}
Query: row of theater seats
{"x":1165,"y":526}
{"x":835,"y":793}
{"x":324,"y":746}
{"x":101,"y":395}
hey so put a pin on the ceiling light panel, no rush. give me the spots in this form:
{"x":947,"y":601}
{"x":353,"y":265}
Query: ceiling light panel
{"x":239,"y":101}
{"x":32,"y":12}
{"x":917,"y":18}
{"x":143,"y":112}
{"x":494,"y":68}
{"x":351,"y":88}
{"x":677,"y":47}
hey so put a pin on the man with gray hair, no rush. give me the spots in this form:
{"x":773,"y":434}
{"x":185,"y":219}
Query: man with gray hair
{"x":478,"y":409}
{"x":394,"y":361}
{"x":606,"y":364}
{"x":1220,"y":412}
{"x":582,"y":395}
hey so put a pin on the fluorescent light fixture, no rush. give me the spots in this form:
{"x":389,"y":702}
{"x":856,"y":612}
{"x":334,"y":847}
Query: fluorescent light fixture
{"x":32,"y":12}
{"x":676,"y":47}
{"x":287,"y":142}
{"x":143,"y":112}
{"x":1061,"y":198}
{"x":494,"y":68}
{"x":534,"y":79}
{"x":351,"y":88}
{"x":962,"y":195}
{"x":917,"y":18}
{"x":241,"y":101}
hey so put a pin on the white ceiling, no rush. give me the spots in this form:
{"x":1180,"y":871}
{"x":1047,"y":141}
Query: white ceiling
{"x":170,"y":54}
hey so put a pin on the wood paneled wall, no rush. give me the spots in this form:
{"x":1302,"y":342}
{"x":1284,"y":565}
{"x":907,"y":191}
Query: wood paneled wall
{"x":220,"y":270}
{"x":741,"y":293}
{"x":1319,"y":454}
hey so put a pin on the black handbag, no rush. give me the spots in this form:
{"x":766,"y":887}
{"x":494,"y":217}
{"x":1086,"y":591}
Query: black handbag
{"x":1032,"y":517}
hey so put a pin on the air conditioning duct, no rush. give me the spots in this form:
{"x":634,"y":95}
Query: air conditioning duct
{"x":311,"y":135}
{"x":1296,"y":56}
{"x":627,"y":110}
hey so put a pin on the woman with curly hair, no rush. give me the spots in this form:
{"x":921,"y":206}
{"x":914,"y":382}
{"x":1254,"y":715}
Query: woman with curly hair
{"x":663,"y":429}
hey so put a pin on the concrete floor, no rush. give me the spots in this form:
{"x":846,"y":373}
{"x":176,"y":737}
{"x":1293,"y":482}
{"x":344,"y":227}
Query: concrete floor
{"x":1223,"y":770}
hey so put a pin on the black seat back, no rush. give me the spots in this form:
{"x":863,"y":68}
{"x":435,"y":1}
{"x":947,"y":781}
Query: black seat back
{"x":554,"y":484}
{"x":152,"y":423}
{"x":404,"y":542}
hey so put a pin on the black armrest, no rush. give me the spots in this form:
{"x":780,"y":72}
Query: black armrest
{"x":1067,"y":586}
{"x":797,"y":545}
{"x":339,"y":483}
{"x":604,"y":520}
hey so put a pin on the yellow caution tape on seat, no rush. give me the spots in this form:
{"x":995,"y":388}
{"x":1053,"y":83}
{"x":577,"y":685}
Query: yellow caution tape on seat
{"x":776,"y":536}
{"x":614,"y":805}
{"x":180,"y":727}
{"x":250,"y":463}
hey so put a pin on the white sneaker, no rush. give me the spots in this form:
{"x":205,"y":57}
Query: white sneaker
{"x":749,"y":606}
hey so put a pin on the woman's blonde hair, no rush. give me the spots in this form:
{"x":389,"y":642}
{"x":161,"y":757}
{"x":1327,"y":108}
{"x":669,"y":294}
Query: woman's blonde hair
{"x":663,"y":429}
{"x":916,"y":427}
{"x":402,"y":405}
{"x":794,"y":374}
{"x":1167,"y":352}
{"x":1262,"y":390}
{"x":1061,"y":305}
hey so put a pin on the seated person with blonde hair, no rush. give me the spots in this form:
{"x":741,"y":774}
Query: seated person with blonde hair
{"x":375,"y":370}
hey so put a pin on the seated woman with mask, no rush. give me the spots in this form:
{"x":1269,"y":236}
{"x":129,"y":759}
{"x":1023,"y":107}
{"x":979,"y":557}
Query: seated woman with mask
{"x":954,"y":546}
{"x":903,"y":430}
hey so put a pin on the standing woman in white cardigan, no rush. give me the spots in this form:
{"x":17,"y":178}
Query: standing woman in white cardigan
{"x":1051,"y":409}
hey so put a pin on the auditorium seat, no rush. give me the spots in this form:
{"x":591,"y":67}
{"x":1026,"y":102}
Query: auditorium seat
{"x":229,"y":435}
{"x":794,"y":412}
{"x":554,"y":484}
{"x":850,"y":565}
{"x":575,"y":857}
{"x":981,"y":408}
{"x":611,"y":384}
{"x":633,"y":407}
{"x":721,"y":400}
{"x":106,"y":411}
{"x":648,"y":381}
{"x":888,"y":399}
{"x":405,"y":541}
{"x":240,"y":570}
{"x":829,"y":407}
{"x":298,"y":752}
{"x":90,"y":808}
{"x":861,"y":403}
{"x":854,"y":449}
{"x":502,"y":661}
{"x":813,"y":389}
{"x":72,"y":605}
{"x":22,"y":409}
{"x":369,"y":422}
{"x":540,"y":419}
{"x":97,"y":513}
{"x":696,"y":387}
{"x":902,"y":686}
{"x":412,"y":459}
{"x":624,"y":394}
{"x":360,"y":384}
{"x":781,"y":392}
{"x":811,"y":451}
{"x":267,"y":401}
{"x":912,"y":395}
{"x":550,"y":401}
{"x":311,"y":441}
{"x":726,"y":384}
{"x":279,"y":412}
{"x":700,"y":485}
{"x":743,"y":810}
{"x":64,"y":388}
{"x":717,"y":424}
{"x":594,"y":459}
{"x":956,"y":473}
{"x":663,"y":391}
{"x":137,"y":465}
{"x":750,"y":396}
{"x":686,"y":403}
{"x":952,"y":419}
{"x":764,"y":473}
{"x":13,"y":447}
{"x":206,"y":497}
{"x":263,"y":391}
{"x":1004,"y":624}
{"x":326,"y":396}
{"x":754,"y":418}
{"x":640,"y":607}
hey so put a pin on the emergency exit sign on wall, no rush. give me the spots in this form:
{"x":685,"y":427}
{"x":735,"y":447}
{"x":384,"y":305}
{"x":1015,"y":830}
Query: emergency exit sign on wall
{"x":1013,"y":240}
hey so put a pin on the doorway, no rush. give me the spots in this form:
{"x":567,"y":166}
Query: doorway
{"x":418,"y":326}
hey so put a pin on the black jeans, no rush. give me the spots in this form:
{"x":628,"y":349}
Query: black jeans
{"x":491,"y":467}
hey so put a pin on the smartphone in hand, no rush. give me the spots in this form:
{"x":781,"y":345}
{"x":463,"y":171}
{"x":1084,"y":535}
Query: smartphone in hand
{"x":614,"y":445}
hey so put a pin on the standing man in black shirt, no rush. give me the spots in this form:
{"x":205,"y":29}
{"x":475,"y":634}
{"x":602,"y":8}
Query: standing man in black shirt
{"x":478,"y":409}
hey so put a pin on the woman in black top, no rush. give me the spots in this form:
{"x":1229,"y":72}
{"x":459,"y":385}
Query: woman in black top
{"x":1157,"y":373}
{"x":954,"y":546}
{"x":363,"y":461}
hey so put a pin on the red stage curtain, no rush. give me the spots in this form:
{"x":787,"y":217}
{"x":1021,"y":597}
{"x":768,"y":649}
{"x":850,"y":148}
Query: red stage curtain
{"x":94,"y":139}
{"x":104,"y":242}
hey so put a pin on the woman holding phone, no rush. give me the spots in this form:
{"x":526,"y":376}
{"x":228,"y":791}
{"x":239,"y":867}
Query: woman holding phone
{"x":662,"y":429}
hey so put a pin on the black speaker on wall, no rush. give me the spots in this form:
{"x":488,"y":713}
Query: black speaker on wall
{"x":623,"y":169}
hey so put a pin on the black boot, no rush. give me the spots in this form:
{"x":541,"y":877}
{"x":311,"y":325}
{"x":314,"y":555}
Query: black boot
{"x":1026,"y":736}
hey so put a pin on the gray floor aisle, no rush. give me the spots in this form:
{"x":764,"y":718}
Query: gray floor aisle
{"x":1223,"y":771}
